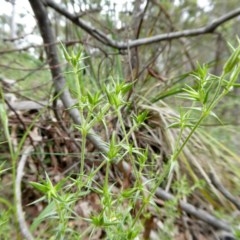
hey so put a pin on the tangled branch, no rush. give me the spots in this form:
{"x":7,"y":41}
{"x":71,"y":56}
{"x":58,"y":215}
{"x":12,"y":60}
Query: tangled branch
{"x":121,"y":45}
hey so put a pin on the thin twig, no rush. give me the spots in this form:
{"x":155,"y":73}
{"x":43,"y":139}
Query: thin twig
{"x":224,"y":191}
{"x":20,"y":121}
{"x":20,"y":214}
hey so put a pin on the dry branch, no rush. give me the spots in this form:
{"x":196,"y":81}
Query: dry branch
{"x":121,"y":45}
{"x":224,"y":191}
{"x":20,"y":214}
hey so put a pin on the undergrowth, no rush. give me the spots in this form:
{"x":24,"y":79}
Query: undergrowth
{"x":125,"y":203}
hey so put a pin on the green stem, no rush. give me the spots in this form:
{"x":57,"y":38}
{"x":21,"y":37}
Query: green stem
{"x":83,"y":147}
{"x":189,"y":136}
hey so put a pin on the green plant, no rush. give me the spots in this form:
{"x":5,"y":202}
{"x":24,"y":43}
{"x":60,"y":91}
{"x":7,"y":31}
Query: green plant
{"x":116,"y":206}
{"x":208,"y":92}
{"x":94,"y":107}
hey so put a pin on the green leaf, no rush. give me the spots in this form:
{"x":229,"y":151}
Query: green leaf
{"x":40,"y":187}
{"x":232,"y":61}
{"x":65,"y":53}
{"x":48,"y":212}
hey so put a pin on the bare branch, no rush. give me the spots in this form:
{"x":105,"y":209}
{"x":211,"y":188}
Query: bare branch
{"x":20,"y":214}
{"x":224,"y":191}
{"x":198,"y":213}
{"x":103,"y":38}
